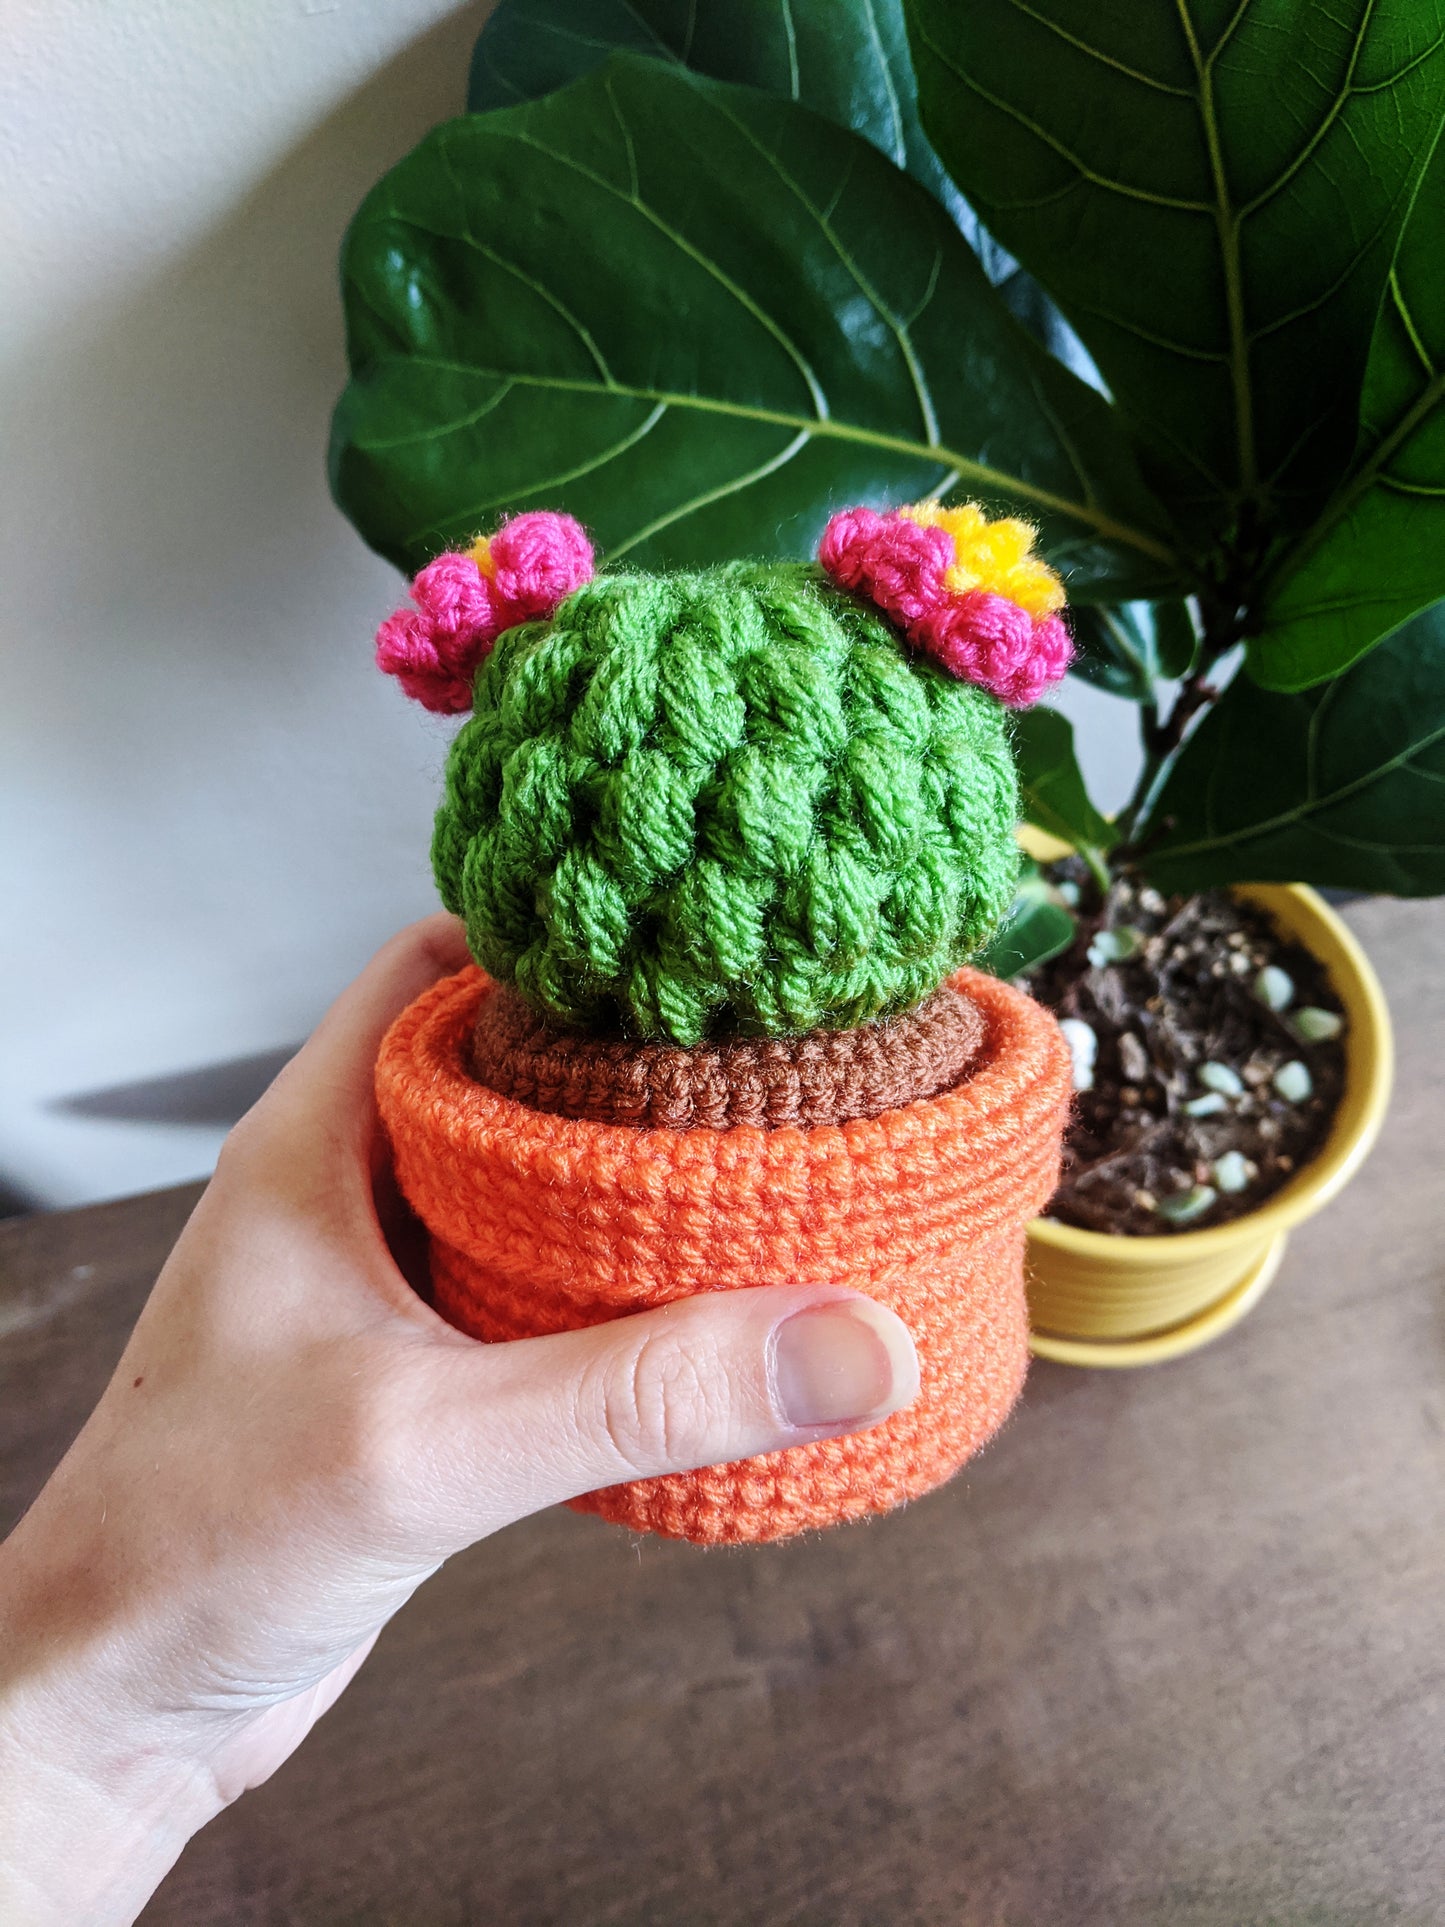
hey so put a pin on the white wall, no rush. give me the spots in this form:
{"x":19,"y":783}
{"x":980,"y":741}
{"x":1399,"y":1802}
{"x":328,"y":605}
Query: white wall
{"x":211,"y":808}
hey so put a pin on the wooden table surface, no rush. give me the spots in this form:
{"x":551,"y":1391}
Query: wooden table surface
{"x":1172,"y":1651}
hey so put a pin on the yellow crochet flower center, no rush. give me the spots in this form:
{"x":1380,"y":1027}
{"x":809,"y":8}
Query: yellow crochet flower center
{"x":996,"y":556}
{"x":481,"y":553}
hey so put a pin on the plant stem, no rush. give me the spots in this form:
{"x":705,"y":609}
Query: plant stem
{"x":1098,"y":868}
{"x":1162,"y":737}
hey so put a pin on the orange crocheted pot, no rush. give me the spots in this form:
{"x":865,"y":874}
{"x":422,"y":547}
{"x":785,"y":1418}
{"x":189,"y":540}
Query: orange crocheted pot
{"x":543,"y":1224}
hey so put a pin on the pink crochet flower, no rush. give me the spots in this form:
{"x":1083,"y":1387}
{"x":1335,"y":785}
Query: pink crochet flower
{"x":901,"y":565}
{"x":537,"y":561}
{"x":1053,"y":651}
{"x":980,"y":637}
{"x":991,"y":641}
{"x":897,"y":564}
{"x":464,"y":603}
{"x":459,"y":600}
{"x":406,"y":648}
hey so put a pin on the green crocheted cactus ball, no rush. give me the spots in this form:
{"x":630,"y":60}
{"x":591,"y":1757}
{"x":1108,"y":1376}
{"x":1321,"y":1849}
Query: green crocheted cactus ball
{"x":724,"y":803}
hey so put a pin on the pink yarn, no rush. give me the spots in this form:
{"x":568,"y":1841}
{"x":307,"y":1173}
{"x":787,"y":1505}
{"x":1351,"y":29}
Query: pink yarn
{"x":900,"y":566}
{"x":895,"y":563}
{"x":458,"y":598}
{"x":1053,"y":651}
{"x":991,"y":641}
{"x":406,"y":648}
{"x":538,"y":560}
{"x":981,"y":637}
{"x":435,"y":649}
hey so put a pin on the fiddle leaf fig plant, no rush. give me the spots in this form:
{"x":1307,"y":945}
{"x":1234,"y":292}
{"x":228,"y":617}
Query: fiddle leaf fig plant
{"x":701,"y":317}
{"x":1168,"y":281}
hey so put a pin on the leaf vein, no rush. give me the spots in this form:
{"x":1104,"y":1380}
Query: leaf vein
{"x":685,"y":247}
{"x":543,"y":488}
{"x":899,"y":329}
{"x":979,"y":474}
{"x":707,"y":497}
{"x":1097,"y":53}
{"x":1007,"y":108}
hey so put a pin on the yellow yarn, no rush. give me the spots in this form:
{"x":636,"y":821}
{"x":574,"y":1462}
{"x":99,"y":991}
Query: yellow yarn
{"x":481,"y":553}
{"x":995,"y":556}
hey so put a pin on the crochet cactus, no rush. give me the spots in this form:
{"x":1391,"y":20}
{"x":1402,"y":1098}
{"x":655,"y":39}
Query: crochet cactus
{"x":703,"y":829}
{"x":754,"y":800}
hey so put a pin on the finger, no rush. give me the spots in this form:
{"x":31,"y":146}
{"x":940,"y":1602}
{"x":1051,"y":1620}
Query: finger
{"x":328,"y":1084}
{"x":516,"y":1427}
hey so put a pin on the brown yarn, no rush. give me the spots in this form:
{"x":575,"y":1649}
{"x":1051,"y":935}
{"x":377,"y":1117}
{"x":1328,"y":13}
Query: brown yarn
{"x":826,"y":1077}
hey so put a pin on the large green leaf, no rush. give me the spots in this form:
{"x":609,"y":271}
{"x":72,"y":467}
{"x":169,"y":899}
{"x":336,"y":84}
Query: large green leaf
{"x":1036,"y":928}
{"x":1052,"y":783}
{"x":1212,"y":190}
{"x":1377,"y":553}
{"x":847,"y":59}
{"x":700,"y":319}
{"x":1126,"y":649}
{"x":1342,"y":784}
{"x":849,"y":62}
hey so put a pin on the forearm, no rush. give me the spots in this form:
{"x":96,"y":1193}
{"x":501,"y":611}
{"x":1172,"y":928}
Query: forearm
{"x":84,"y":1849}
{"x":95,"y":1806}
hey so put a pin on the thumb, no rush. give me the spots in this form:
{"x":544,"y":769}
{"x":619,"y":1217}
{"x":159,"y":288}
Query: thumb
{"x":704,"y":1381}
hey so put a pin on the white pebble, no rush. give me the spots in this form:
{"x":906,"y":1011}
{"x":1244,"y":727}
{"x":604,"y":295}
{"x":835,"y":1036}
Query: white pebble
{"x":1133,"y":1058}
{"x":1185,"y":1206}
{"x":1083,"y":1049}
{"x":1274,"y":987}
{"x":1209,"y":1106}
{"x":1315,"y":1026}
{"x":1219,"y":1077}
{"x":1114,"y":946}
{"x":1293,"y":1081}
{"x":1231,"y":1172}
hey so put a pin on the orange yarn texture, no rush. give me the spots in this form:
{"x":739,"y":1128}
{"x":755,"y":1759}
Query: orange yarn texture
{"x":542,"y":1224}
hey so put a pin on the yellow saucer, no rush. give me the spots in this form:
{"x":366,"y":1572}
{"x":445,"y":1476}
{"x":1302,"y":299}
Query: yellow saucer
{"x":1119,"y":1354}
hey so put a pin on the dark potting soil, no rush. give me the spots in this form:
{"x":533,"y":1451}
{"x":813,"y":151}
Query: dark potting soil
{"x":1185,"y":1124}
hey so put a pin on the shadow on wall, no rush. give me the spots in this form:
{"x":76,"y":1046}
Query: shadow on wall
{"x":15,"y":1204}
{"x":217,"y":809}
{"x":216,"y":1094}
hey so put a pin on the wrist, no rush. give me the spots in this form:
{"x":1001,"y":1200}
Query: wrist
{"x":95,"y":1804}
{"x":86,"y":1844}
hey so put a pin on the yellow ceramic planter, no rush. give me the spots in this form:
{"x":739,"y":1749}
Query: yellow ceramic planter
{"x":1117,"y":1301}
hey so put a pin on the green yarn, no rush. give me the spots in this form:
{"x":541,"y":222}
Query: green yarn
{"x":724,"y":802}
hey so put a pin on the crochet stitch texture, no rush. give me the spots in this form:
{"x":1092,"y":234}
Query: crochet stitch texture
{"x":969,"y":592}
{"x":724,"y":803}
{"x":544,"y":1224}
{"x":719,"y":838}
{"x":462,"y":603}
{"x":827,"y":1077}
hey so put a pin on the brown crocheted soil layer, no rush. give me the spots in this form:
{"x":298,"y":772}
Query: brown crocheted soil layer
{"x":826,"y":1077}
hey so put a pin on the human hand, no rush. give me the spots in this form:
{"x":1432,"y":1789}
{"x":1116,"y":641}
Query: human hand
{"x":293,"y":1441}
